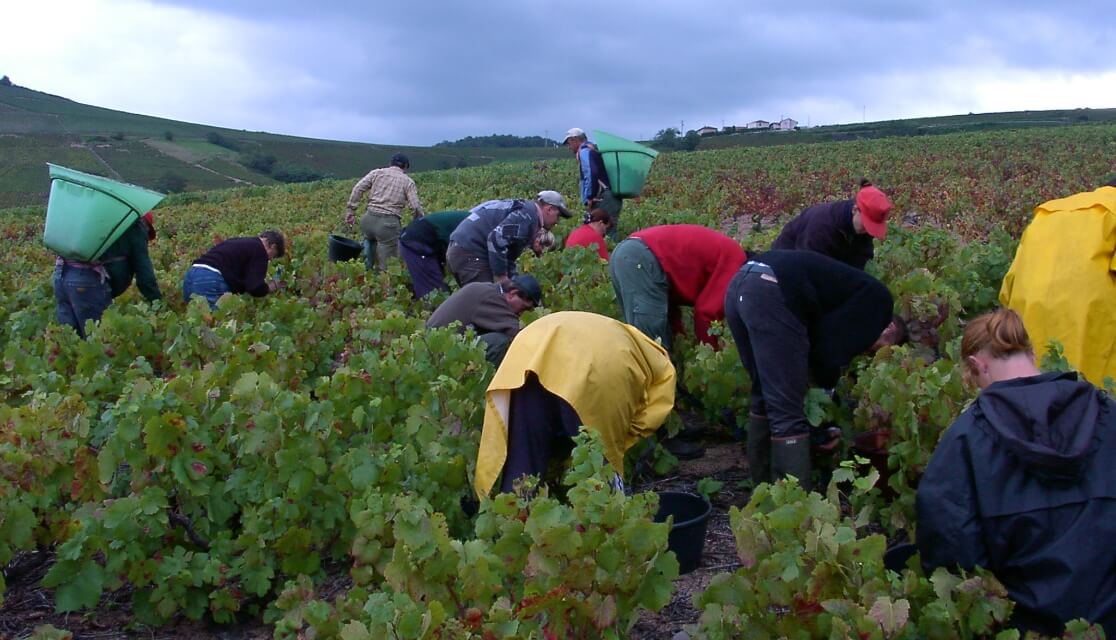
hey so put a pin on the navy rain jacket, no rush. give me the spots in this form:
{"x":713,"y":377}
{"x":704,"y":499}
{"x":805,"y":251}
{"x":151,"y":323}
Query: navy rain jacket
{"x":1024,"y":484}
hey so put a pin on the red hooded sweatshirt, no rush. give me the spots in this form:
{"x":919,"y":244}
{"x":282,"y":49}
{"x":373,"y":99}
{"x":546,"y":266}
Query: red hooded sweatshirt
{"x":699,"y":263}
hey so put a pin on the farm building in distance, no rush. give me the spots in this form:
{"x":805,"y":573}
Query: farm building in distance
{"x":707,"y":131}
{"x":786,"y":124}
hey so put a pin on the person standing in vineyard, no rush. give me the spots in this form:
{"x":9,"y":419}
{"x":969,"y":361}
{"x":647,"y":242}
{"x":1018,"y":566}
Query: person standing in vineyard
{"x":423,"y":245}
{"x":1062,"y":282}
{"x":596,"y":191}
{"x":237,"y":265}
{"x":591,"y":234}
{"x":796,"y":315}
{"x":83,"y":290}
{"x":565,"y":370}
{"x":485,"y":246}
{"x":389,"y":189}
{"x":492,"y":310}
{"x":1022,"y":484}
{"x":842,"y":230}
{"x":656,"y":270}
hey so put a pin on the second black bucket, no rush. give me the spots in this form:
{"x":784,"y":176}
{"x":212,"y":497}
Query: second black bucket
{"x":342,"y":249}
{"x":691,"y":519}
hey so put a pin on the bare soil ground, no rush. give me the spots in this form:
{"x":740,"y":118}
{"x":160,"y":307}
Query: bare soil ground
{"x":724,"y":461}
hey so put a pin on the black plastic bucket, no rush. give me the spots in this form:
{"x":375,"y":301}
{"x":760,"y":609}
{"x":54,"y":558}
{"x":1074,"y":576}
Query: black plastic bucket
{"x":342,"y":249}
{"x":691,"y":519}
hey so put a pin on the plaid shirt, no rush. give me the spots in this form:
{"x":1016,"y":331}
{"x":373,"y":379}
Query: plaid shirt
{"x":388,"y":190}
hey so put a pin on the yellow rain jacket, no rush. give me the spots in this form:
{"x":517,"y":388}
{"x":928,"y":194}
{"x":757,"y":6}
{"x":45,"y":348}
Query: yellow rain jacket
{"x":620,"y":383}
{"x":1061,"y":281}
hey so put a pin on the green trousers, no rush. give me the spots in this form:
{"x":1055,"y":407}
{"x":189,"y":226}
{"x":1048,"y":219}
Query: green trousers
{"x":381,"y":236}
{"x":641,"y":289}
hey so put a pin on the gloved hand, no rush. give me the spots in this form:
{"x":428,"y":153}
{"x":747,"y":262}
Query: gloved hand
{"x":350,"y":217}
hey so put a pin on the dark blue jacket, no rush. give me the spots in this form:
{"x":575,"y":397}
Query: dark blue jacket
{"x":1024,"y":484}
{"x":594,"y":178}
{"x":827,"y":229}
{"x":499,"y":229}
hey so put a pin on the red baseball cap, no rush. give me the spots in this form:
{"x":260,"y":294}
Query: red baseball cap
{"x":874,"y":208}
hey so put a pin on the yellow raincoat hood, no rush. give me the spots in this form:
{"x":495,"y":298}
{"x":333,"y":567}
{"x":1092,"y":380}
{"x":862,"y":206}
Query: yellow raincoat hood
{"x":1061,"y":281}
{"x":620,"y":383}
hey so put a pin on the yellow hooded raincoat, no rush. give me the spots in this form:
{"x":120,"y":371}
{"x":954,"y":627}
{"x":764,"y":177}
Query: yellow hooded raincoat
{"x":620,"y":383}
{"x":1061,"y":281}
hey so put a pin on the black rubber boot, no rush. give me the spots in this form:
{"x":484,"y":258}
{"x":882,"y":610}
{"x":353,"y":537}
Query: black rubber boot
{"x":791,"y":457}
{"x":759,"y":449}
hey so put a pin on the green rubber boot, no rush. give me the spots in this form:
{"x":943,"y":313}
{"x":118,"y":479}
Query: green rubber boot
{"x":791,"y":457}
{"x":759,"y":449}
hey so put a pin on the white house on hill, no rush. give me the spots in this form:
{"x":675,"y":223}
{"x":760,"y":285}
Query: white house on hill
{"x":758,"y":124}
{"x":707,"y":131}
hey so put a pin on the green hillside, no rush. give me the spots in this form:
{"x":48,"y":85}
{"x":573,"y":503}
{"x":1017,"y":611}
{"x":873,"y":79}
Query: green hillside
{"x":36,"y":128}
{"x":912,"y":127}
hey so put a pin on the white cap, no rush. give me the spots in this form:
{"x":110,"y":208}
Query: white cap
{"x":573,"y":133}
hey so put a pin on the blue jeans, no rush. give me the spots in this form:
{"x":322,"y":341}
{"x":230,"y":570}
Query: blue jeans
{"x":426,"y":272}
{"x":79,"y":295}
{"x":205,"y":283}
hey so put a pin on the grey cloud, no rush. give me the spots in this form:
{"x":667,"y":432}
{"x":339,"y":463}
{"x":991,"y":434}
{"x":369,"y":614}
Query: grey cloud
{"x":442,"y":70}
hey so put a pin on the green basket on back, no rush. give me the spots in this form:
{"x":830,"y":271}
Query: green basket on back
{"x":627,"y":163}
{"x":87,"y":213}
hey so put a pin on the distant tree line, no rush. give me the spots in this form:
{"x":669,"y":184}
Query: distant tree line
{"x":499,"y":141}
{"x":670,"y":139}
{"x":268,"y":164}
{"x":221,"y":141}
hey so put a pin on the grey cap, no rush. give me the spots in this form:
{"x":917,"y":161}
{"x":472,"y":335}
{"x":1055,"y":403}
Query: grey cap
{"x":556,"y":199}
{"x":529,"y":287}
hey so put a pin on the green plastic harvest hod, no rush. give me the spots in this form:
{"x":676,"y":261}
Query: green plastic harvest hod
{"x":87,"y":213}
{"x":627,"y":163}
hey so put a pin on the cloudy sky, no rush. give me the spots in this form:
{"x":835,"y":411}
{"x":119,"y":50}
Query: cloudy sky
{"x":417,"y":72}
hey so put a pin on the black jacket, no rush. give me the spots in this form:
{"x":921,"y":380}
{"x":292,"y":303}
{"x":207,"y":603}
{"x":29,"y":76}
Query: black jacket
{"x":827,"y":229}
{"x":1024,"y":484}
{"x":242,"y":263}
{"x":843,"y":309}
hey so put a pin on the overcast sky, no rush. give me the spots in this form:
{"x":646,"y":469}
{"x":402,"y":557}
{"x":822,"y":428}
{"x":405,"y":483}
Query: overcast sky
{"x":414,"y":72}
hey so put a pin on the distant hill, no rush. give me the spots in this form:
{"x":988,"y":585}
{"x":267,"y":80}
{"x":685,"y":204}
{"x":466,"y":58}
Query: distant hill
{"x":36,"y":128}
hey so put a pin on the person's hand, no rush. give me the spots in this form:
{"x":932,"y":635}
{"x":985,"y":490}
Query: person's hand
{"x":350,"y":217}
{"x":503,"y":280}
{"x":274,"y":285}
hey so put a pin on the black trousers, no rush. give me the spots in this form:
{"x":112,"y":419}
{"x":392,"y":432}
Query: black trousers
{"x":540,"y":426}
{"x":774,"y":347}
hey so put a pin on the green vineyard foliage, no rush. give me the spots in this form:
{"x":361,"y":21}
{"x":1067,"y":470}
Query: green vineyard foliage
{"x":224,"y":463}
